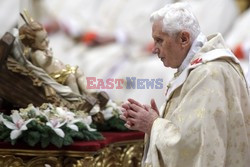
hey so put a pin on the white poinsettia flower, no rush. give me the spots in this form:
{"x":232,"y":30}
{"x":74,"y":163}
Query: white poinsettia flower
{"x":49,"y":112}
{"x":108,"y":113}
{"x":65,"y":114}
{"x":30,"y":112}
{"x":46,"y":113}
{"x":111,"y":104}
{"x":73,"y":127}
{"x":111,"y":109}
{"x":55,"y":124}
{"x":36,"y":110}
{"x":17,"y":126}
{"x":71,"y":124}
{"x":118,"y":111}
{"x":87,"y":121}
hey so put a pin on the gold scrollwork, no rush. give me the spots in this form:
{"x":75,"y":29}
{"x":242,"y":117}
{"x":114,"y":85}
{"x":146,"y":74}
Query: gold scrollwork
{"x":70,"y":162}
{"x":132,"y":155}
{"x":87,"y":161}
{"x":111,"y":157}
{"x":43,"y":161}
{"x":115,"y":156}
{"x":108,"y":157}
{"x":124,"y":154}
{"x":11,"y":161}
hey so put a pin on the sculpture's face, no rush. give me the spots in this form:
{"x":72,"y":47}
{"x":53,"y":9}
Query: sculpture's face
{"x":41,"y":41}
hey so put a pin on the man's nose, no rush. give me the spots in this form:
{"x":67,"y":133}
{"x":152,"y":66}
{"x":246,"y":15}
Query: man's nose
{"x":155,"y":50}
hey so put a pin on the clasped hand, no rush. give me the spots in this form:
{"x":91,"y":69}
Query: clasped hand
{"x":139,"y":117}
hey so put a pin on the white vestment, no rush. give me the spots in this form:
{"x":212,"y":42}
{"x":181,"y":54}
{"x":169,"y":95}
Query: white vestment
{"x":248,"y":73}
{"x":206,"y":119}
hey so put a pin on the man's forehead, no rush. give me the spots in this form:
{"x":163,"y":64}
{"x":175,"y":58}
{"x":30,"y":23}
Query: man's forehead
{"x":157,"y":24}
{"x":157,"y":29}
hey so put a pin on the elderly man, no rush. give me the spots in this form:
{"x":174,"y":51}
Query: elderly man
{"x":206,"y":118}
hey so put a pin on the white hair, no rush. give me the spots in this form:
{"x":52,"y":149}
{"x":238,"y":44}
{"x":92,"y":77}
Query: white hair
{"x":175,"y":18}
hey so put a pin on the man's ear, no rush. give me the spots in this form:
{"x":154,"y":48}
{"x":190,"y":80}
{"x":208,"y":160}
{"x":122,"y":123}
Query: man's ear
{"x":184,"y":38}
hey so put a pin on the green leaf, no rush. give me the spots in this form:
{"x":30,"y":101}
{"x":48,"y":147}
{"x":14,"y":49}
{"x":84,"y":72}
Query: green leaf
{"x":32,"y":138}
{"x":7,"y":117}
{"x":31,"y":124}
{"x":13,"y":142}
{"x":32,"y":113}
{"x":93,"y":126}
{"x":103,"y":127}
{"x":45,"y":135}
{"x":45,"y":140}
{"x":97,"y":136}
{"x":46,"y":129}
{"x":56,"y":140}
{"x":77,"y":135}
{"x":40,"y":128}
{"x":5,"y":134}
{"x":117,"y":124}
{"x":112,"y":124}
{"x":81,"y":126}
{"x":87,"y":135}
{"x":67,"y":140}
{"x":7,"y":140}
{"x":42,"y":118}
{"x":2,"y":127}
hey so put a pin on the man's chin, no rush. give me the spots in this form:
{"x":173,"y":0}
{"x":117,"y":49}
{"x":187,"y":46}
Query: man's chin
{"x":165,"y":64}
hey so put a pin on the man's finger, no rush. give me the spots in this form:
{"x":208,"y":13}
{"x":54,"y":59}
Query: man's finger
{"x":132,"y":101}
{"x":125,"y":106}
{"x":123,"y":110}
{"x":123,"y":117}
{"x":129,"y":123}
{"x":146,"y":107}
{"x":132,"y":120}
{"x":124,"y":113}
{"x":131,"y":113}
{"x":130,"y":127}
{"x":136,"y":108}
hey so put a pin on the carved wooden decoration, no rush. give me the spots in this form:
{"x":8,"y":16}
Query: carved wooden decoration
{"x":122,"y":154}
